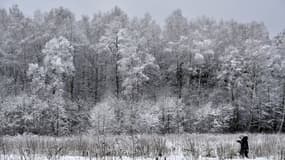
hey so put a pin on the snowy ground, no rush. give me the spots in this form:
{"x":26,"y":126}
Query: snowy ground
{"x":146,"y":147}
{"x":172,"y":157}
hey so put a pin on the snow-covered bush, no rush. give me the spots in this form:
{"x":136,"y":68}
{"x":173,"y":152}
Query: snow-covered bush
{"x":109,"y":116}
{"x":22,"y":114}
{"x":120,"y":116}
{"x":170,"y":114}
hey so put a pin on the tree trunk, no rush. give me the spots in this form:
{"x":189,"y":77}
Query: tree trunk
{"x":117,"y":81}
{"x":96,"y":86}
{"x":179,"y":78}
{"x":117,"y":69}
{"x":283,"y":112}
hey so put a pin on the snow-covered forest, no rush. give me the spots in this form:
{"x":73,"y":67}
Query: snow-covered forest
{"x":112,"y":74}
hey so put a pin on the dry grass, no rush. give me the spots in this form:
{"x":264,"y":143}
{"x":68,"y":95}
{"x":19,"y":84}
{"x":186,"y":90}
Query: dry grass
{"x":221,"y":146}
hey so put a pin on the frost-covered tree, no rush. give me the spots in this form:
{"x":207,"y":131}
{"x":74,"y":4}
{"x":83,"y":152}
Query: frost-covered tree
{"x":276,"y":67}
{"x":22,"y":114}
{"x":110,"y":42}
{"x":57,"y":64}
{"x":110,"y":116}
{"x":232,"y":69}
{"x":48,"y":80}
{"x":171,"y":116}
{"x":134,"y":61}
{"x":177,"y":48}
{"x":148,"y":40}
{"x":181,"y":52}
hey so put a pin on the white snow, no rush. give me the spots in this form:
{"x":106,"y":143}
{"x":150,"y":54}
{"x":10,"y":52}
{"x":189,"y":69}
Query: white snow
{"x":171,"y":157}
{"x":199,"y":58}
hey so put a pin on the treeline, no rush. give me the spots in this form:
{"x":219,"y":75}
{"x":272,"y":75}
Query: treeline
{"x":115,"y":74}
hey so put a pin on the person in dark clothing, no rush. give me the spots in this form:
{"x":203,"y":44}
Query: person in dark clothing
{"x":243,"y":146}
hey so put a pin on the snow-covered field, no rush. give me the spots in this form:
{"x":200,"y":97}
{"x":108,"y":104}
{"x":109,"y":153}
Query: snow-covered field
{"x":144,"y":147}
{"x":172,"y":157}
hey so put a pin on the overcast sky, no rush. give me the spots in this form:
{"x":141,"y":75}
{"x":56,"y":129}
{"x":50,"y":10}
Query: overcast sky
{"x":271,"y":12}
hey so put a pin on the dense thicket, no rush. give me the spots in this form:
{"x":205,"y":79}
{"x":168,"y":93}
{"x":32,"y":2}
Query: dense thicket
{"x":115,"y":74}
